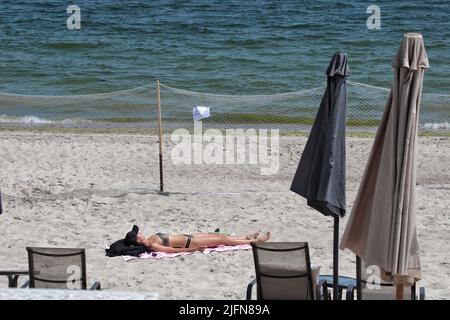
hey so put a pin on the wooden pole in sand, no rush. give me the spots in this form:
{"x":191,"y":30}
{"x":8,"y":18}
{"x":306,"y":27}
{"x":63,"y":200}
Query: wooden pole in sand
{"x":399,"y":292}
{"x":161,"y":176}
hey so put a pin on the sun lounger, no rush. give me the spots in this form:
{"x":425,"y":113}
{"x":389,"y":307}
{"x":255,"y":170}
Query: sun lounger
{"x":13,"y":276}
{"x":58,"y":268}
{"x":283,"y":271}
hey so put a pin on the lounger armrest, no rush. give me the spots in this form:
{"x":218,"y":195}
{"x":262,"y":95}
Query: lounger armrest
{"x":26,"y":284}
{"x":13,"y":276}
{"x":422,"y":293}
{"x":322,"y":290}
{"x":249,"y":289}
{"x":350,"y":292}
{"x":96,"y":286}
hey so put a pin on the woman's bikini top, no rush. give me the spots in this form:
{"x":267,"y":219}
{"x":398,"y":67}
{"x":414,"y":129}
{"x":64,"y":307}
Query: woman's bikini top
{"x":164,"y":238}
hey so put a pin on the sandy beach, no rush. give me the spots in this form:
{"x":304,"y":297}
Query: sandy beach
{"x":87,"y":190}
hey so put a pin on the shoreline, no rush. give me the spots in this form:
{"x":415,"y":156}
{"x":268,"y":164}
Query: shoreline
{"x":357,"y":133}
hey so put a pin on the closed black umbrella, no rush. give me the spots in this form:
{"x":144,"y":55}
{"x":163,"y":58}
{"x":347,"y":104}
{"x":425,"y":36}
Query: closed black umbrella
{"x":320,"y":176}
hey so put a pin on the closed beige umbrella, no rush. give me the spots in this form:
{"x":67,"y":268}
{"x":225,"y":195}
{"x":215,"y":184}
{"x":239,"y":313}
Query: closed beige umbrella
{"x":382,"y":225}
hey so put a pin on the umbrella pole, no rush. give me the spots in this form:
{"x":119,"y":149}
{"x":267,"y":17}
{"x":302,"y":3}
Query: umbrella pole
{"x":336,"y":259}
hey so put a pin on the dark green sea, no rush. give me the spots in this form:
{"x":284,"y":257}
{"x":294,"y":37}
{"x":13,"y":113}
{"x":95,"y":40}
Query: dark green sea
{"x":225,"y":47}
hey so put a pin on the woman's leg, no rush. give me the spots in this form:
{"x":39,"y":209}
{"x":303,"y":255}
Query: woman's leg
{"x":206,"y":235}
{"x":250,"y":236}
{"x":225,"y":240}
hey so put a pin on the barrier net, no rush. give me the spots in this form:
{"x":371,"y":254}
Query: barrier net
{"x":136,"y":108}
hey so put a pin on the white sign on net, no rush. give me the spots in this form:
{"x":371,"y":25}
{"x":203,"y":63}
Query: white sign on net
{"x":200,"y":113}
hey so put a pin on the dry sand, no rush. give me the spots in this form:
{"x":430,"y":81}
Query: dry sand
{"x":86,"y":190}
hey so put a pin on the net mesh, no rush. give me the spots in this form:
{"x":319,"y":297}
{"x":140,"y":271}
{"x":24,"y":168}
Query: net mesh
{"x":135,"y":108}
{"x":126,"y":108}
{"x":282,"y":111}
{"x":294,"y":111}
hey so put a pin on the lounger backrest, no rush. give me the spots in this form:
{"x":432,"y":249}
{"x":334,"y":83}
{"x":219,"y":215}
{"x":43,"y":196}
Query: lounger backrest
{"x":283,"y":270}
{"x":374,"y":286}
{"x":57,"y":268}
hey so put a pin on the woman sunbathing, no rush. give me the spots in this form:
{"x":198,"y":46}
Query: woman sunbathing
{"x":189,"y":242}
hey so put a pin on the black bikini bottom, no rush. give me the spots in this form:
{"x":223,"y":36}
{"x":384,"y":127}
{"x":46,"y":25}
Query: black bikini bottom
{"x":188,"y":241}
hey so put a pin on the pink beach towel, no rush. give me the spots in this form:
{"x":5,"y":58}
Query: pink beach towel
{"x":159,"y":255}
